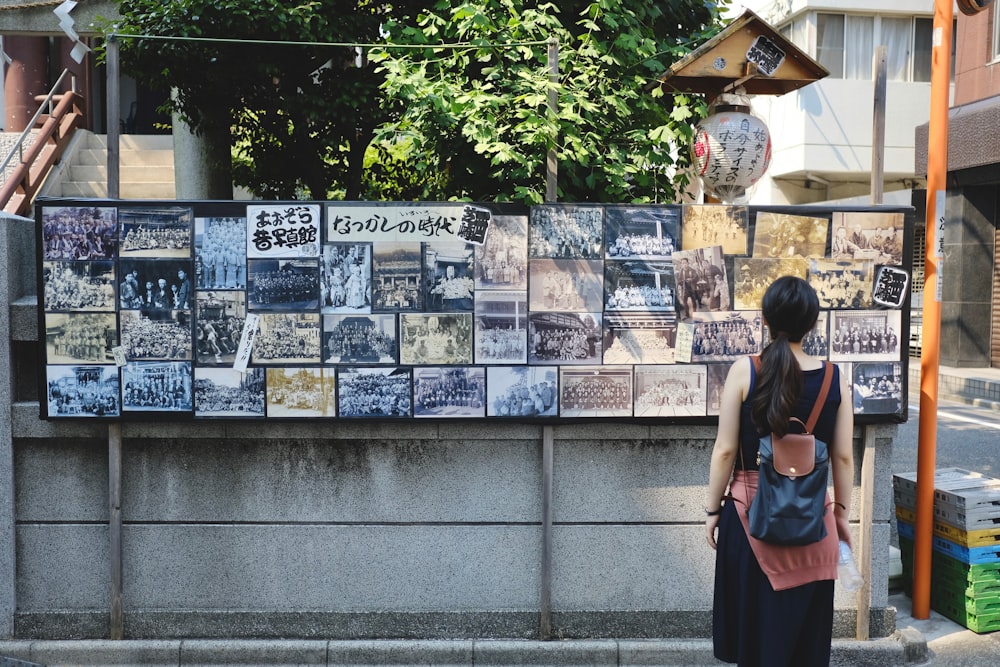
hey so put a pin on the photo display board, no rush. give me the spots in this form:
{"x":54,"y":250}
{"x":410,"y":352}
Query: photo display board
{"x":415,"y":310}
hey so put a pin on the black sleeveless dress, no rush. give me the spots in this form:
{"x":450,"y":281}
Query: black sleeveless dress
{"x":752,"y":624}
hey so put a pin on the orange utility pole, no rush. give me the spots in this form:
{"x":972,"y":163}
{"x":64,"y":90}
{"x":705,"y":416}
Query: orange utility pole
{"x":937,"y":174}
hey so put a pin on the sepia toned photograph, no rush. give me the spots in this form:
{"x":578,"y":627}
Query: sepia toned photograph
{"x":374,"y":393}
{"x":639,"y":338}
{"x":726,"y":336}
{"x":219,"y":320}
{"x":753,"y":275}
{"x":155,"y":232}
{"x":816,"y":342}
{"x":435,"y":339}
{"x":502,"y":261}
{"x":708,"y":225}
{"x":842,"y":284}
{"x":154,"y":386}
{"x":522,"y":391}
{"x":638,"y":285}
{"x":717,"y":374}
{"x":865,"y":335}
{"x":566,"y":231}
{"x":595,"y":391}
{"x":440,"y":391}
{"x":785,"y":235}
{"x":220,"y":259}
{"x":226,"y":392}
{"x":397,"y":278}
{"x":82,"y":391}
{"x":155,"y":286}
{"x":283,"y":285}
{"x":79,"y":232}
{"x":564,"y":338}
{"x":72,"y":286}
{"x":73,"y":338}
{"x":648,"y":232}
{"x":448,"y":276}
{"x":360,"y":339}
{"x":287,"y":338}
{"x":301,"y":392}
{"x":346,"y":278}
{"x":872,"y":236}
{"x":563,"y":285}
{"x":877,"y":388}
{"x":501,"y":327}
{"x":163,"y":336}
{"x":671,"y":391}
{"x":702,"y":282}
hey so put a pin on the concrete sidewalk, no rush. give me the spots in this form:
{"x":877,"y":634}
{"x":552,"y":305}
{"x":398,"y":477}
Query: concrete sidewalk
{"x":973,"y":386}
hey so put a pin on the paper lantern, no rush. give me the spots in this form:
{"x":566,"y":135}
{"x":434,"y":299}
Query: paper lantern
{"x":731,"y":151}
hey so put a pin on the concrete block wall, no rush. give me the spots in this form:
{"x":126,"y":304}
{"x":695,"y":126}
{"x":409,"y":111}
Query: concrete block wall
{"x":361,"y":530}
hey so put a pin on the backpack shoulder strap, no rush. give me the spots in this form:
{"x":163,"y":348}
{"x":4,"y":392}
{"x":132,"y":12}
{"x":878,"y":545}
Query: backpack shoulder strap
{"x":821,"y":398}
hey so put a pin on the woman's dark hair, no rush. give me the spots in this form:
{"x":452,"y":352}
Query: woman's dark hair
{"x":790,"y":308}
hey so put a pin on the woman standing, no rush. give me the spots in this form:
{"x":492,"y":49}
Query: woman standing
{"x":774,"y":604}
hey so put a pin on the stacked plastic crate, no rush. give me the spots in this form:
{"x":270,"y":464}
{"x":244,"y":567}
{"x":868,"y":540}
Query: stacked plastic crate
{"x":965,"y":560}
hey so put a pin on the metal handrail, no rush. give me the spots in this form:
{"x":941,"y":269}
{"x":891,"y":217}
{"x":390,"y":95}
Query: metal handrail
{"x":47,"y":103}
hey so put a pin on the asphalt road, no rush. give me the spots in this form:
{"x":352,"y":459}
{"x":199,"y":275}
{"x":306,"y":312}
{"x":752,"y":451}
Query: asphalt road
{"x":967,"y":437}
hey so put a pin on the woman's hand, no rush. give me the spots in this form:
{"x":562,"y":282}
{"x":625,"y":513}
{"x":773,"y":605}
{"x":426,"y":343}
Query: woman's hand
{"x":711,"y":523}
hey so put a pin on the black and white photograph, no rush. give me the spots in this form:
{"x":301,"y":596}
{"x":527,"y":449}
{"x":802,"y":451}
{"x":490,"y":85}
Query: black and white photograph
{"x":867,"y":235}
{"x":635,"y":338}
{"x":283,"y":285}
{"x":595,"y":391}
{"x":708,"y":225}
{"x":522,"y":391}
{"x":816,"y":342}
{"x":155,"y":286}
{"x":79,"y":232}
{"x":842,"y":284}
{"x":877,"y":388}
{"x":702,"y":282}
{"x":448,"y":277}
{"x":82,"y":391}
{"x":155,"y":386}
{"x":716,"y":380}
{"x":360,"y":339}
{"x":219,"y":319}
{"x":566,"y":231}
{"x":346,"y":278}
{"x":564,"y":338}
{"x":786,"y":235}
{"x":75,"y":286}
{"x":648,"y":232}
{"x":220,"y":259}
{"x":441,"y":391}
{"x":566,"y":285}
{"x":226,"y":392}
{"x":287,"y":338}
{"x":397,"y":278}
{"x":501,"y":327}
{"x":298,"y":392}
{"x":865,"y":335}
{"x":155,"y":232}
{"x":435,"y":339}
{"x":502,"y":260}
{"x":374,"y":393}
{"x":671,"y":391}
{"x":73,"y":338}
{"x":638,"y":285}
{"x":726,"y":336}
{"x":163,"y":337}
{"x":753,"y":275}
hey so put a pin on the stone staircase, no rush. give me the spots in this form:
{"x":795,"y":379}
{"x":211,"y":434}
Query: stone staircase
{"x":146,"y":167}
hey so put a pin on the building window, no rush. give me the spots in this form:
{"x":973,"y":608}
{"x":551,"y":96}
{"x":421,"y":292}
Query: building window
{"x":845,"y":44}
{"x":996,"y":32}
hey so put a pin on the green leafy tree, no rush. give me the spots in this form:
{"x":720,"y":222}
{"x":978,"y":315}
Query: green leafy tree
{"x":477,"y":120}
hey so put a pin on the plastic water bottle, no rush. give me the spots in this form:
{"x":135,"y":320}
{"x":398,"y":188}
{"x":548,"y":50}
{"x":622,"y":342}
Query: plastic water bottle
{"x":847,"y":571}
